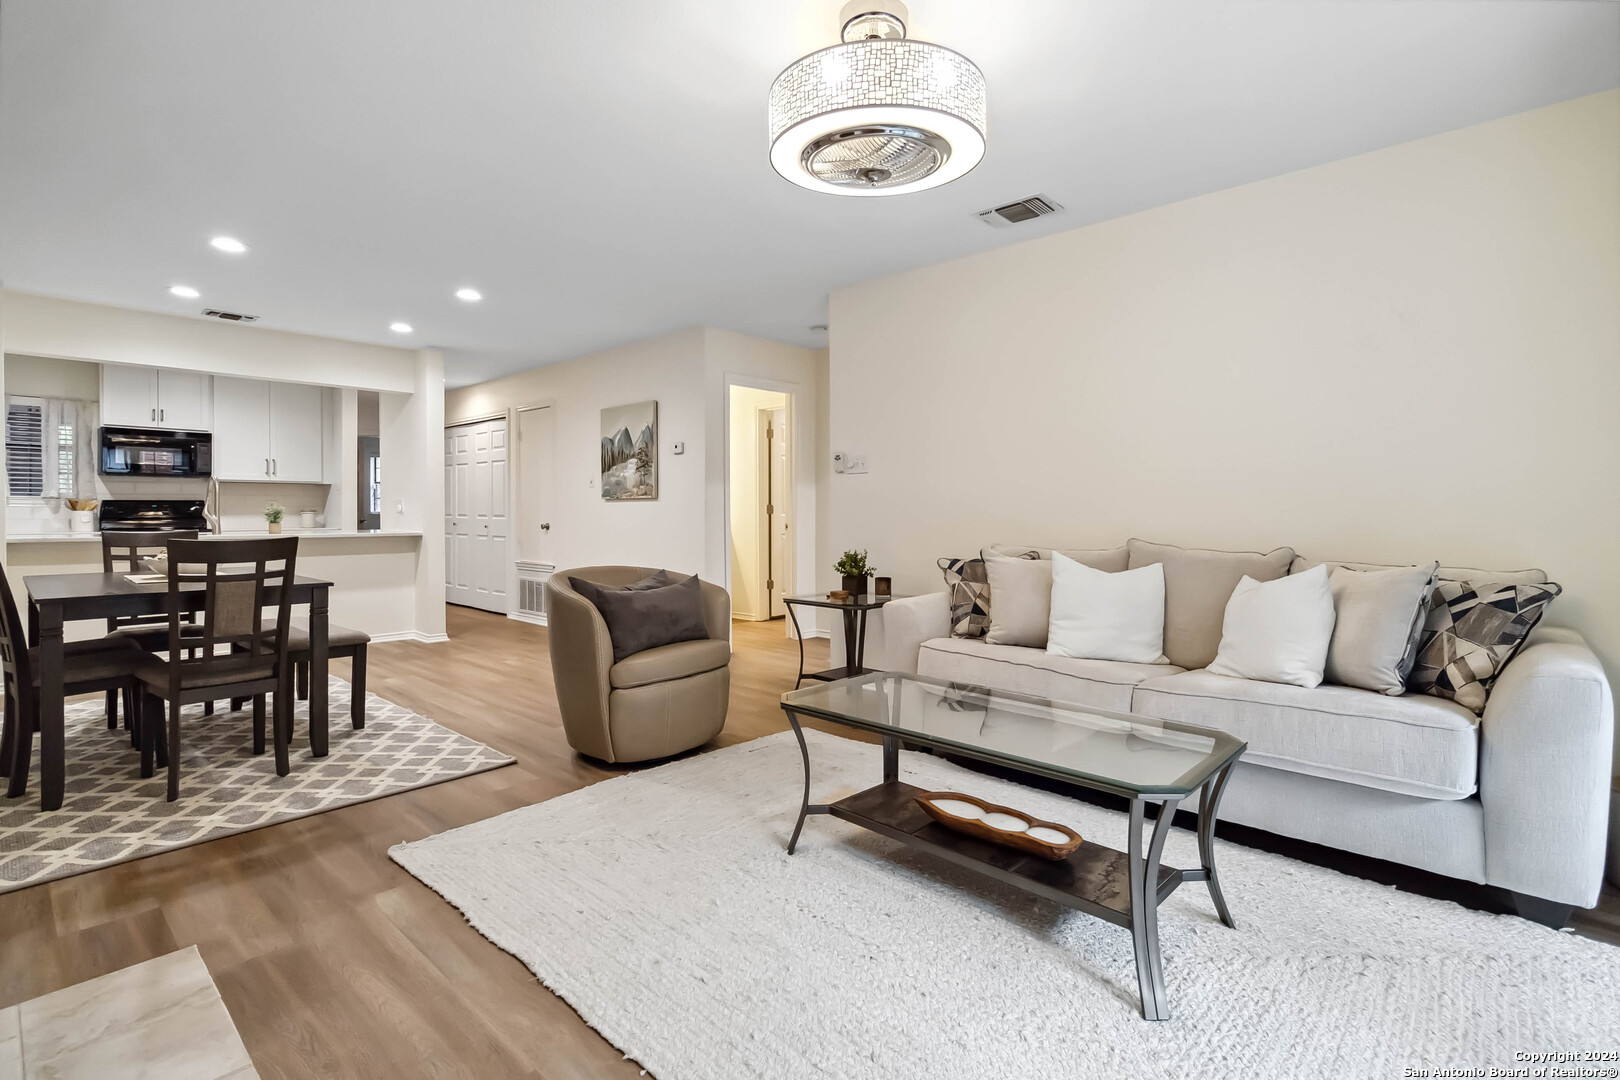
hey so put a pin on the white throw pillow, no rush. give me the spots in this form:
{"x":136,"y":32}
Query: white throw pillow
{"x":1020,"y":600}
{"x":1278,"y":631}
{"x":1101,"y":616}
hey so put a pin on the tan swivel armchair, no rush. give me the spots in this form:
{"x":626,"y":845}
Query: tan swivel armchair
{"x":648,"y":705}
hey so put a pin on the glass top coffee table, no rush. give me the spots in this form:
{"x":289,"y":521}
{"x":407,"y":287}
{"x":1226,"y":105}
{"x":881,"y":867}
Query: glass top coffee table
{"x":1145,"y":761}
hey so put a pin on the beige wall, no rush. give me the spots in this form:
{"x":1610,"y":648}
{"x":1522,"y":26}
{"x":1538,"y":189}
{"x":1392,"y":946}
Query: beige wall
{"x":585,"y":529}
{"x":39,"y":376}
{"x":687,"y":372}
{"x":1410,"y":354}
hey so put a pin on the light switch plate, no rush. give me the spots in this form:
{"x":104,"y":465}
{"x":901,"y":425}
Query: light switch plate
{"x":854,"y":463}
{"x":680,"y":448}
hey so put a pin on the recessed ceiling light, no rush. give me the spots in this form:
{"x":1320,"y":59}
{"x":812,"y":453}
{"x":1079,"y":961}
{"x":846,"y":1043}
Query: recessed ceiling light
{"x":472,"y":296}
{"x":400,"y":327}
{"x":228,"y":244}
{"x":185,"y":292}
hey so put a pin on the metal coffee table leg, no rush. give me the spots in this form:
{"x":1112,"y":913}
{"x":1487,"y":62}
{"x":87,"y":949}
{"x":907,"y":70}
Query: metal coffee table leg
{"x":1144,"y":870}
{"x":1209,"y":805}
{"x":806,"y":807}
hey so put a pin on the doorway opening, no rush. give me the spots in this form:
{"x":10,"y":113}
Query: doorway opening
{"x":477,"y":519}
{"x":763,"y":521}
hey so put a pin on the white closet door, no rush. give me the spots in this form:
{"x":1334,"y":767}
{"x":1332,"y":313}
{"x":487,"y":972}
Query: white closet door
{"x":477,"y":527}
{"x":491,"y":515}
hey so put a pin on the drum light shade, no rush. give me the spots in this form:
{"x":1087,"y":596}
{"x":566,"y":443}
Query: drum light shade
{"x":881,"y":116}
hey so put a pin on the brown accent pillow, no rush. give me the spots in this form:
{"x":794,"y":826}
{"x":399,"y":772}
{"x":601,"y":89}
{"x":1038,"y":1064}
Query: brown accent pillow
{"x":1197,"y":584}
{"x":660,"y":609}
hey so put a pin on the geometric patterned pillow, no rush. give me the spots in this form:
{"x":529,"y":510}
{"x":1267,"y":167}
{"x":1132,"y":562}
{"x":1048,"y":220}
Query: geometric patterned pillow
{"x":969,"y":584}
{"x":1471,"y":633}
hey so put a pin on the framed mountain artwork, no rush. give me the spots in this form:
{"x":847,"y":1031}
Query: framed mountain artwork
{"x":630,"y":451}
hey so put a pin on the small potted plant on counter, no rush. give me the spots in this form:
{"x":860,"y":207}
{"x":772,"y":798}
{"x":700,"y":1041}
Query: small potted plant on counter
{"x":853,"y":569}
{"x":272,"y":514}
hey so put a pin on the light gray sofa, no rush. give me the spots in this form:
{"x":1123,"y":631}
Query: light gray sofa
{"x":1517,"y":798}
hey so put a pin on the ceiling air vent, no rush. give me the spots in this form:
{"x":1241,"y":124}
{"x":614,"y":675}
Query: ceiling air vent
{"x":1023,"y":210}
{"x":230,"y":316}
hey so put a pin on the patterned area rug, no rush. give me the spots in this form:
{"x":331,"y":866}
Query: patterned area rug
{"x":662,"y":906}
{"x":110,"y":815}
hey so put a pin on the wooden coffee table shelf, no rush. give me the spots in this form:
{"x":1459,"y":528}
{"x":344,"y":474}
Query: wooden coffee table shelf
{"x":1095,"y":879}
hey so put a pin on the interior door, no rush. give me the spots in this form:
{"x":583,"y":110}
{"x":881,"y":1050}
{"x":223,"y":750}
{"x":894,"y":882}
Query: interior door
{"x":492,"y":519}
{"x":477,"y":527}
{"x":297,"y":433}
{"x":534,"y":505}
{"x":458,"y":574}
{"x":242,"y":435}
{"x":778,"y":520}
{"x":184,"y":400}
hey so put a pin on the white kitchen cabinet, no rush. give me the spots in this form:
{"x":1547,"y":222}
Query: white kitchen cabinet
{"x":242,"y":443}
{"x":297,"y":433}
{"x":269,"y":431}
{"x":185,"y":401}
{"x":155,"y":398}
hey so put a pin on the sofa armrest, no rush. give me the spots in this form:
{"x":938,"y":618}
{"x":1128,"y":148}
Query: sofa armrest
{"x":1546,"y":754}
{"x":907,"y":623}
{"x":581,"y":656}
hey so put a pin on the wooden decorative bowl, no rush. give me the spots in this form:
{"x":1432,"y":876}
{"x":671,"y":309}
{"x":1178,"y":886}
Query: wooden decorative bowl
{"x":1000,"y":825}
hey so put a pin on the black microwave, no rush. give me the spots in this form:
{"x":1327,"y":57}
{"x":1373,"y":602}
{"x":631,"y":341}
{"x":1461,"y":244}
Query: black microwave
{"x":139,"y":452}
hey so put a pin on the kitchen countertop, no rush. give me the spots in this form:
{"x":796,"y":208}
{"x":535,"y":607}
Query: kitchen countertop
{"x":312,"y":534}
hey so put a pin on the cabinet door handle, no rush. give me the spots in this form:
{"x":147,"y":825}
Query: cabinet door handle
{"x":267,"y":466}
{"x":275,"y":469}
{"x":154,"y":414}
{"x":160,"y":414}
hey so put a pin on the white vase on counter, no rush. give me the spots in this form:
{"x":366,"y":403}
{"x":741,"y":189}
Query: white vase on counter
{"x":82,"y":521}
{"x":306,"y":519}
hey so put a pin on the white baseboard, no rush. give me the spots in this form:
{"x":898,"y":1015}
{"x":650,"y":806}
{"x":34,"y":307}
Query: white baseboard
{"x":817,"y":633}
{"x":538,"y":619}
{"x":410,"y":635}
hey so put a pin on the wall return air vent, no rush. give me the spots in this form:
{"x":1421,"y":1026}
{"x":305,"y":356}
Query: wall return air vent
{"x":229,"y":316}
{"x":1023,"y":210}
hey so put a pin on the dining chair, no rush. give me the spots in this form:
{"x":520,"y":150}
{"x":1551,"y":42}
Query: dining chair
{"x":126,"y":553}
{"x":341,"y":641}
{"x":88,"y":667}
{"x":240,"y":580}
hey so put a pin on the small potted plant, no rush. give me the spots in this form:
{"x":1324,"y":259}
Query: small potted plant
{"x":852,"y":567}
{"x":272,"y":514}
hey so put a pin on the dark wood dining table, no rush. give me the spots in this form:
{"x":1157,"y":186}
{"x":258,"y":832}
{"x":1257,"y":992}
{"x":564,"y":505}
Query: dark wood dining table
{"x":57,"y":599}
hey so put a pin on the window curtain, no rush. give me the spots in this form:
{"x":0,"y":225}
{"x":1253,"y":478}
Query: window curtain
{"x":70,"y":449}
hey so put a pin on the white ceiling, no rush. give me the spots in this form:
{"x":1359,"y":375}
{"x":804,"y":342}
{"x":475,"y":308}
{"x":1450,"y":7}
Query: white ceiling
{"x":599,"y":170}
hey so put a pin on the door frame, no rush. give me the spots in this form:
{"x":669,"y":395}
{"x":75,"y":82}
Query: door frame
{"x":795,"y":410}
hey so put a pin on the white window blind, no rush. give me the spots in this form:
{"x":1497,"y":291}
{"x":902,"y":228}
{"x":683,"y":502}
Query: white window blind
{"x":25,"y":446}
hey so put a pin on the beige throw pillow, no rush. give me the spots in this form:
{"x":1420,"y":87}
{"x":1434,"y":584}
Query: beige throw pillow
{"x":1020,"y":600}
{"x":1380,"y":616}
{"x":1197,"y":585}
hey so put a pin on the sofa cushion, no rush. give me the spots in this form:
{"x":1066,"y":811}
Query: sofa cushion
{"x":1020,"y":600}
{"x":1414,"y":745}
{"x":968,"y":582}
{"x":1108,"y":560}
{"x":1471,"y":633}
{"x":1446,"y":573}
{"x":1197,"y":585}
{"x":1101,"y":684}
{"x":666,"y":662}
{"x":1380,"y":615}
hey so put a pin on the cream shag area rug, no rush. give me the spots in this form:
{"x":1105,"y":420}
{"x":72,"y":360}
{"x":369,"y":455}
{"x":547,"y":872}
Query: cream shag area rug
{"x":663,"y":907}
{"x":110,"y":815}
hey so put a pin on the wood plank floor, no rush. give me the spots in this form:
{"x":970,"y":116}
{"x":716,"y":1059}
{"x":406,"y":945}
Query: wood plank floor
{"x":333,"y":961}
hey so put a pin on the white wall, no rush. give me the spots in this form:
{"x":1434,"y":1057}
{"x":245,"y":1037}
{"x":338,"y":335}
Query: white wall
{"x":73,"y":330}
{"x":688,"y":373}
{"x":1409,"y":354}
{"x":587,"y":530}
{"x":40,"y":376}
{"x":748,"y":595}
